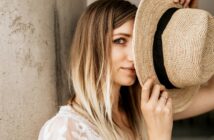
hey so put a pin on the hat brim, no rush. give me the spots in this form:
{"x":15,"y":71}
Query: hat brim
{"x":148,"y":14}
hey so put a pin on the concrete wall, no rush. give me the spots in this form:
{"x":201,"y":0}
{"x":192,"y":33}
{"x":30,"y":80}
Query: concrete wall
{"x":35,"y":35}
{"x":66,"y":15}
{"x":27,"y":67}
{"x":206,"y":5}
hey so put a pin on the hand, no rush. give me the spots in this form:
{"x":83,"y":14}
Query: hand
{"x":157,"y":111}
{"x":185,"y":3}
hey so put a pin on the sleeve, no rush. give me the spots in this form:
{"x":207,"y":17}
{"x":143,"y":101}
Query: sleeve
{"x":60,"y":128}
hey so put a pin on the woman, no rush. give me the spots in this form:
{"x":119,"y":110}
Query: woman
{"x":108,"y":102}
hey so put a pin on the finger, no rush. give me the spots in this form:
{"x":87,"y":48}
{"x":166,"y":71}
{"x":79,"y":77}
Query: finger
{"x":164,"y":94}
{"x":182,"y":2}
{"x":168,"y":108}
{"x":162,"y":88}
{"x":169,"y":104}
{"x":186,"y":3}
{"x":146,"y":89}
{"x":163,"y":99}
{"x":155,"y":93}
{"x":176,"y":1}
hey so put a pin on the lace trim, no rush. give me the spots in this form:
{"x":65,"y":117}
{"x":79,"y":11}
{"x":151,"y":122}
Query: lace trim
{"x":69,"y":112}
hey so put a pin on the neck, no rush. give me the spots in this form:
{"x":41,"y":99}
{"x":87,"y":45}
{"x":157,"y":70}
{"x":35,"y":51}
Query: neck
{"x":118,"y":116}
{"x":115,"y":98}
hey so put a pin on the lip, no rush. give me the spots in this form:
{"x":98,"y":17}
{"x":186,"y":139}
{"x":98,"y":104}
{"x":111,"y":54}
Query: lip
{"x":129,"y":69}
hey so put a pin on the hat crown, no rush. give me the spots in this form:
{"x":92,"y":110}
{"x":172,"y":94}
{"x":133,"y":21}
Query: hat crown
{"x":147,"y":18}
{"x":188,"y":47}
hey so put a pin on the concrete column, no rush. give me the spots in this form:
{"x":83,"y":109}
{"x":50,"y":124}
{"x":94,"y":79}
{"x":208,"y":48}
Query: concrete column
{"x":66,"y":15}
{"x":27,"y":67}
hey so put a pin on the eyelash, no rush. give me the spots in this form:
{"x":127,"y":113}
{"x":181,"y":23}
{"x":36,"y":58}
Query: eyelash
{"x":117,"y":41}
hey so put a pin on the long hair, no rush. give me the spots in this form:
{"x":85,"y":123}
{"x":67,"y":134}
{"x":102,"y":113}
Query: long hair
{"x":90,"y":68}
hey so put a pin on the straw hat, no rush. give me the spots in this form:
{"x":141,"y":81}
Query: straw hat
{"x":176,"y":45}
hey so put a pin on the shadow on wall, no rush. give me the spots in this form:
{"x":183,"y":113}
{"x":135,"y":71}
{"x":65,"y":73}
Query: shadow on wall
{"x":67,"y":13}
{"x":206,"y":5}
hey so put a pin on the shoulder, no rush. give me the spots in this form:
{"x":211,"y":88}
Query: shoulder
{"x":68,"y":125}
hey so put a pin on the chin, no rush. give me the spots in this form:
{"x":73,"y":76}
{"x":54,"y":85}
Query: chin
{"x":128,"y":82}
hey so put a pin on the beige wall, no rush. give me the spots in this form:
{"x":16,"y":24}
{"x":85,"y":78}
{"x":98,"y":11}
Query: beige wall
{"x":32,"y":32}
{"x":27,"y":67}
{"x":34,"y":43}
{"x":66,"y":16}
{"x":206,"y":5}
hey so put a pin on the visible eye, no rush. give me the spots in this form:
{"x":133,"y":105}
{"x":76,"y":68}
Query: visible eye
{"x":120,"y":41}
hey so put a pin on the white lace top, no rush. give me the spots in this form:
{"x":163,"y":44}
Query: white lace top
{"x":67,"y":124}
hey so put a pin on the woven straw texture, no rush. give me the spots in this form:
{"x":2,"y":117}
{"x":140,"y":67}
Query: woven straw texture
{"x":188,"y":48}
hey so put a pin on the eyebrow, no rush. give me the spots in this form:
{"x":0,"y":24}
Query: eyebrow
{"x":124,"y":34}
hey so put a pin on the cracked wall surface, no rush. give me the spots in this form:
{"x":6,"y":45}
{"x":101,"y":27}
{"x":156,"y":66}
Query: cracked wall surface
{"x":34,"y":45}
{"x":27,"y":67}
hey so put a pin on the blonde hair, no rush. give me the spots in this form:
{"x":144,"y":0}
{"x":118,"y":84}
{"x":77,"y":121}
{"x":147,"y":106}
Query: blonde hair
{"x":90,"y":68}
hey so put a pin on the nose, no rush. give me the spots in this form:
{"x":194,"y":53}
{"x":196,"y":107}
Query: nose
{"x":130,"y":51}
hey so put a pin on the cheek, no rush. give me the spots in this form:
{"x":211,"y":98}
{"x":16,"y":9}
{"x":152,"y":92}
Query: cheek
{"x":116,"y":55}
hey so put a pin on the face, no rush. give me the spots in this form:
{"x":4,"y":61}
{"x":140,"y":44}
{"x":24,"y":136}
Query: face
{"x":123,"y":72}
